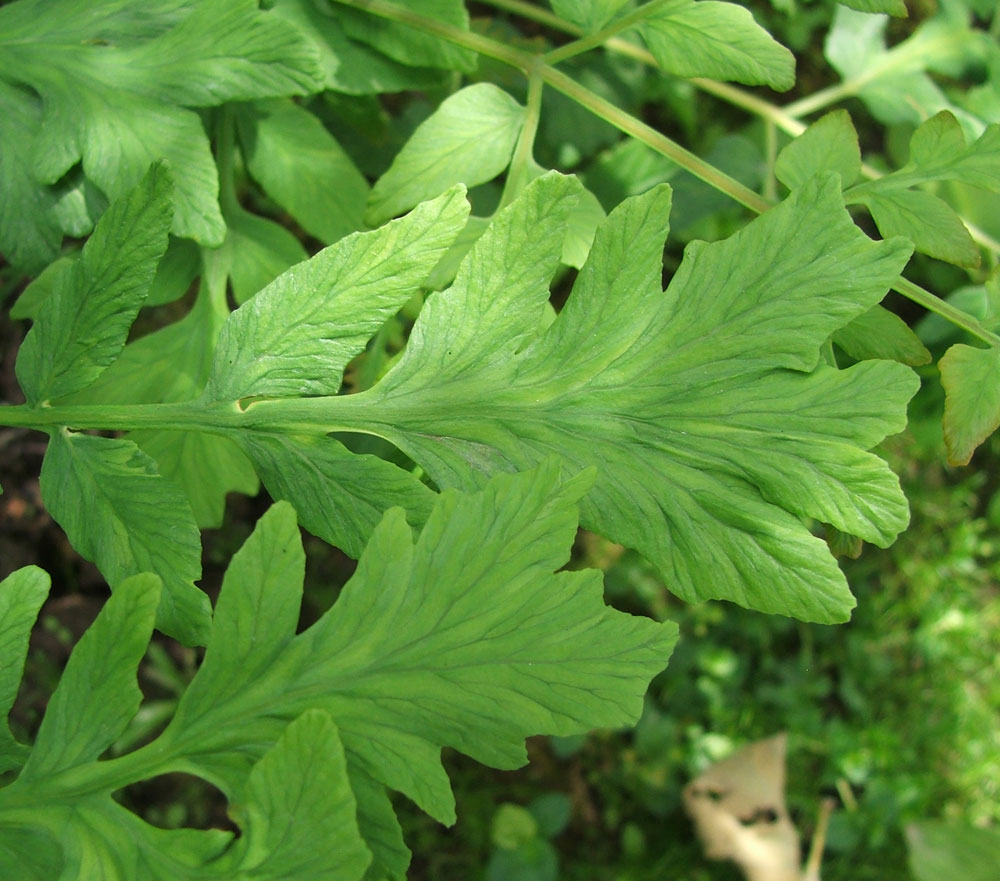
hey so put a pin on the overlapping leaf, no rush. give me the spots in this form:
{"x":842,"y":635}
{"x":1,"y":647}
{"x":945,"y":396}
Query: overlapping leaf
{"x":894,"y":82}
{"x":303,"y":168}
{"x":349,"y":65}
{"x":588,"y":14}
{"x":829,"y":144}
{"x":468,"y":140}
{"x":407,"y":45}
{"x":938,"y":152}
{"x":81,"y":327}
{"x":296,"y":336}
{"x":122,"y":515}
{"x":718,"y":40}
{"x":345,"y":293}
{"x":114,"y":82}
{"x":58,"y":819}
{"x":466,"y":637}
{"x":713,"y":427}
{"x":108,"y":496}
{"x":21,"y":596}
{"x":881,"y":334}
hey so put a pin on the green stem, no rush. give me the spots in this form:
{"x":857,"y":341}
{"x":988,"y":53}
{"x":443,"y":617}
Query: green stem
{"x":823,"y":98}
{"x":726,"y":92}
{"x":770,"y":188}
{"x":782,"y":118}
{"x":521,"y":163}
{"x":374,"y":359}
{"x":634,"y":127}
{"x":125,"y":417}
{"x":906,"y":57}
{"x":318,"y":415}
{"x":468,"y":40}
{"x":531,"y":64}
{"x":592,"y":41}
{"x":943,"y":308}
{"x":752,"y":104}
{"x":536,"y":13}
{"x":630,"y":125}
{"x":225,"y":146}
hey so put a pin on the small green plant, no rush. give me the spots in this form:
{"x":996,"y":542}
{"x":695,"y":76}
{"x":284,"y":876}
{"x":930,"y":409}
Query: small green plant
{"x":708,"y":426}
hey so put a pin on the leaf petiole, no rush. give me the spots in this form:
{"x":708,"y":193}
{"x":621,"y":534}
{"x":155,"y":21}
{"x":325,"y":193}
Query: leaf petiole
{"x":586,"y":43}
{"x":522,"y":161}
{"x":625,"y":122}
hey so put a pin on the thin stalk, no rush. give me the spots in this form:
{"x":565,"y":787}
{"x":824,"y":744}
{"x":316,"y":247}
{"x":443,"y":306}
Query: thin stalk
{"x":981,"y":237}
{"x":901,"y":59}
{"x":752,"y":104}
{"x":823,"y":98}
{"x":766,"y":110}
{"x":522,"y":160}
{"x":846,"y":795}
{"x":536,"y":13}
{"x":812,"y":866}
{"x":317,"y":415}
{"x":531,"y":64}
{"x":468,"y":40}
{"x":635,"y":127}
{"x":630,"y":125}
{"x":225,"y":145}
{"x":592,"y":41}
{"x":769,"y":190}
{"x":943,"y":308}
{"x":725,"y":91}
{"x":124,"y":417}
{"x":373,"y":360}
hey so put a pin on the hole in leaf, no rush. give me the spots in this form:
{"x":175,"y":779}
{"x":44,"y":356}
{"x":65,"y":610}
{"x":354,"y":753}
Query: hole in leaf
{"x":177,"y":800}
